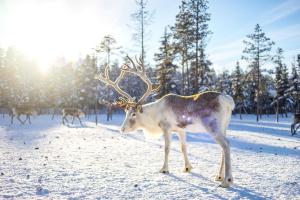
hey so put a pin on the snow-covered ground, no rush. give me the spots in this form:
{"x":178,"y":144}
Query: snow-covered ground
{"x":47,"y":160}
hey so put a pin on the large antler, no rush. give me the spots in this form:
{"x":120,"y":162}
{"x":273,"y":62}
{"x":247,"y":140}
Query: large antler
{"x":115,"y":84}
{"x":139,"y":70}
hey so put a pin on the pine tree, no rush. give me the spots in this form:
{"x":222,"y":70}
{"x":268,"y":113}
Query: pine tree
{"x":108,"y":45}
{"x":142,"y":19}
{"x":165,"y":69}
{"x":182,"y":35}
{"x":86,"y":84}
{"x":200,"y":18}
{"x":224,"y":83}
{"x":237,"y":88}
{"x":256,"y":52}
{"x":295,"y":85}
{"x":281,"y":82}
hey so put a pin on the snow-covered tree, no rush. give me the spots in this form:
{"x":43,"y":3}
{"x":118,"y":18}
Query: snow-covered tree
{"x":224,"y":83}
{"x":281,"y":83}
{"x":141,"y":18}
{"x":86,"y":84}
{"x":199,"y":29}
{"x":182,"y":36}
{"x":295,"y":85}
{"x":257,"y":52}
{"x":237,"y":88}
{"x":165,"y":70}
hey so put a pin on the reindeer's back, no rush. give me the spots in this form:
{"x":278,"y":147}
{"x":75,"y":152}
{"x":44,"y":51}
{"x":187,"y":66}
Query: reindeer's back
{"x":199,"y":104}
{"x":23,"y":111}
{"x":297,"y":118}
{"x":69,"y":111}
{"x":188,"y":111}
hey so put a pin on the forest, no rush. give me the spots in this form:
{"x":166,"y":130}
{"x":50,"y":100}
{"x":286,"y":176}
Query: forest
{"x":268,"y":85}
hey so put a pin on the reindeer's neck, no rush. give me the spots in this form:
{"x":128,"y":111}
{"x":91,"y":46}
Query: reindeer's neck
{"x":151,"y":114}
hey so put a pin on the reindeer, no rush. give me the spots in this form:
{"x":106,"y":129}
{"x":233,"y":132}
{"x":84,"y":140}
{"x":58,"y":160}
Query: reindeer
{"x":18,"y":111}
{"x":74,"y":112}
{"x":296,"y":122}
{"x":204,"y":112}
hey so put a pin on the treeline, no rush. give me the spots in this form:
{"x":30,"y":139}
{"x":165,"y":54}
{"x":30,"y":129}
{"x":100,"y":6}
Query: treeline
{"x":254,"y":89}
{"x":180,"y":66}
{"x":65,"y":84}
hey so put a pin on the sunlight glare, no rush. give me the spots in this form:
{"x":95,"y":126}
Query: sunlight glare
{"x":46,"y":31}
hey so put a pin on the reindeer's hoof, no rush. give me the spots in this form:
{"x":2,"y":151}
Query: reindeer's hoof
{"x":188,"y":169}
{"x":226,"y":183}
{"x":219,"y":178}
{"x":164,"y":171}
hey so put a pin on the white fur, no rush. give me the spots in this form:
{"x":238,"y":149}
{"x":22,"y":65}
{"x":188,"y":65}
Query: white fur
{"x":156,"y":120}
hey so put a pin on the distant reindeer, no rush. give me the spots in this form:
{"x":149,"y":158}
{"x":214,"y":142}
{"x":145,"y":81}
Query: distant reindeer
{"x":18,"y":111}
{"x":74,"y":112}
{"x":296,"y":122}
{"x":204,"y":112}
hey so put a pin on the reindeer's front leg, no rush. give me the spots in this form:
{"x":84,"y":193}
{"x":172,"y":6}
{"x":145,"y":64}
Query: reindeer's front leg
{"x":65,"y":119}
{"x":167,"y":136}
{"x":12,"y":119}
{"x":28,"y":117}
{"x":79,"y":120}
{"x":187,"y":166}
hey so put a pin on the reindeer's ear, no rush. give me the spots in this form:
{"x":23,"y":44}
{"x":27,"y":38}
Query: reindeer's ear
{"x":139,"y":108}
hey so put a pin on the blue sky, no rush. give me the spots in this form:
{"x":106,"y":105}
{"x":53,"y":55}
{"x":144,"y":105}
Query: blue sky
{"x":47,"y":29}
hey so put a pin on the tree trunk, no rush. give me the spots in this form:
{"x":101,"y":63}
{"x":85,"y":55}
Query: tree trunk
{"x":240,"y":110}
{"x":277,"y":112}
{"x":197,"y":49}
{"x":95,"y":112}
{"x":183,"y":75}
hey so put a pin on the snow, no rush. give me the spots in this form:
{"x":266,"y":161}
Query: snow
{"x":47,"y":160}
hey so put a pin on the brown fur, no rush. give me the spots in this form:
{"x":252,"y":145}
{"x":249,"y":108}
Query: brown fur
{"x":75,"y":112}
{"x":18,"y":111}
{"x":294,"y":125}
{"x":187,"y":108}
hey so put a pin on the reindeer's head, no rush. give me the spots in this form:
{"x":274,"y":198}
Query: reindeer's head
{"x":80,"y":113}
{"x":132,"y":119}
{"x":133,"y":109}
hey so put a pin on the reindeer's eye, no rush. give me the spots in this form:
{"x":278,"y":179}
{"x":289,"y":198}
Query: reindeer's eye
{"x":133,"y":114}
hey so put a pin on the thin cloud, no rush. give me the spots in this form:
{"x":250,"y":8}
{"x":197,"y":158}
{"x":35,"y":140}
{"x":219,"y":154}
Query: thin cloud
{"x":289,"y":32}
{"x":281,"y":11}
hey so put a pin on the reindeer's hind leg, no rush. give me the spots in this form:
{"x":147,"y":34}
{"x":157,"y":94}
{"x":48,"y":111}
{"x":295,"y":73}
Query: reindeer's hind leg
{"x":187,"y":166}
{"x":73,"y":119}
{"x":220,"y":139}
{"x":293,"y":129}
{"x":18,"y":117}
{"x":220,"y":175}
{"x":218,"y":130}
{"x":63,"y":120}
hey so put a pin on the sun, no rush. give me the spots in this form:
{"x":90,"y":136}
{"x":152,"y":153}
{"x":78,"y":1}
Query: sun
{"x":42,"y":31}
{"x":47,"y":30}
